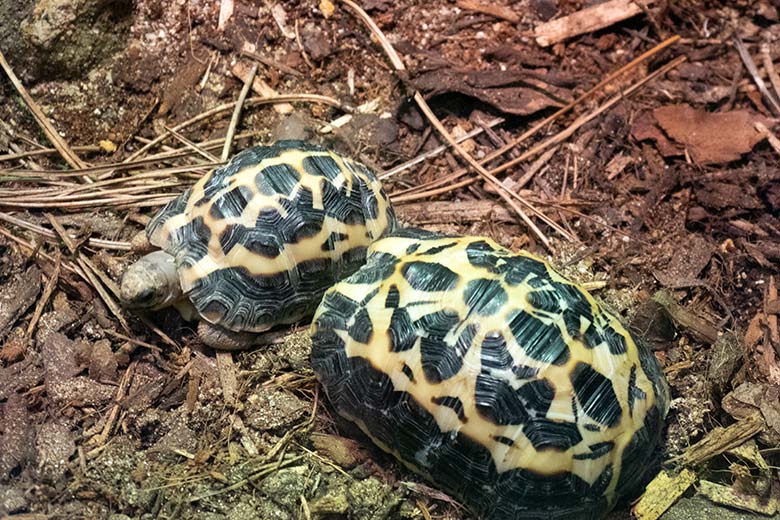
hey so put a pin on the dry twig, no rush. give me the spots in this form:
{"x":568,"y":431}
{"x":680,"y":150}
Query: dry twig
{"x":93,"y":242}
{"x":284,"y":98}
{"x":248,"y":80}
{"x":498,"y":11}
{"x":750,"y":65}
{"x":62,"y":147}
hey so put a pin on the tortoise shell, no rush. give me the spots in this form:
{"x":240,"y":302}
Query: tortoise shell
{"x":258,"y":241}
{"x":491,"y":375}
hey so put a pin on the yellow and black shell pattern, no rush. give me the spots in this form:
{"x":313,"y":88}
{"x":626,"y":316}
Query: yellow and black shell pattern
{"x":491,"y":375}
{"x":257,"y":241}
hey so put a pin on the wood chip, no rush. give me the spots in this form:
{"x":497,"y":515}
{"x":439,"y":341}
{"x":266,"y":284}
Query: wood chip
{"x":499,"y":11}
{"x":617,"y":164}
{"x":17,"y":296}
{"x":228,"y":377}
{"x":689,"y":320}
{"x":662,"y":492}
{"x":446,"y":212}
{"x":711,"y":137}
{"x":587,"y":20}
{"x":225,"y":12}
{"x":721,"y":439}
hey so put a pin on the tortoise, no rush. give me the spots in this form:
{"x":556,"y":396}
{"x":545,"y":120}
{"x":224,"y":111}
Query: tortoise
{"x":255,"y":243}
{"x":491,"y":375}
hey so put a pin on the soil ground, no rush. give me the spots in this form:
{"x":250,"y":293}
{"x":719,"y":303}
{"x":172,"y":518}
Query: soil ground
{"x":666,"y":201}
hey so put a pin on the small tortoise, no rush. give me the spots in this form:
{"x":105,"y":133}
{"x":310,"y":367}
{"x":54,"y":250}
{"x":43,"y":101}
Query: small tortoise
{"x":255,"y":243}
{"x":492,"y":376}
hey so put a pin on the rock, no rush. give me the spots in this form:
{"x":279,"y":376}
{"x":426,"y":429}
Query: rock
{"x":102,"y":363}
{"x":53,"y":39}
{"x":148,"y":383}
{"x":179,"y":436}
{"x":544,"y":9}
{"x":334,"y":502}
{"x":266,"y":510}
{"x":54,"y":445}
{"x":295,"y":351}
{"x":55,"y":321}
{"x":370,"y":499}
{"x":286,"y":486}
{"x":315,"y":42}
{"x":12,"y":500}
{"x":80,"y":391}
{"x":293,"y":126}
{"x":698,"y":508}
{"x":123,"y":468}
{"x":273,"y":410}
{"x":344,"y":452}
{"x":59,"y":358}
{"x":18,"y":435}
{"x":371,"y":131}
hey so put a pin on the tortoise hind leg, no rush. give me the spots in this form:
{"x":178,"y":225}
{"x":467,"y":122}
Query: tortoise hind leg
{"x":220,"y":338}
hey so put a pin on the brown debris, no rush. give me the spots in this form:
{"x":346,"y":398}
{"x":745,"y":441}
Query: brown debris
{"x":508,"y":91}
{"x":274,"y":411}
{"x":710,"y":137}
{"x":687,"y":319}
{"x":343,"y":451}
{"x":315,"y":42}
{"x":54,"y":444}
{"x":685,"y":266}
{"x":17,"y":296}
{"x":756,"y":398}
{"x":727,"y":352}
{"x":102,"y":362}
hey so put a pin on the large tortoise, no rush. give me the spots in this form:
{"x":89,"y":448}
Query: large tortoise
{"x":491,"y":375}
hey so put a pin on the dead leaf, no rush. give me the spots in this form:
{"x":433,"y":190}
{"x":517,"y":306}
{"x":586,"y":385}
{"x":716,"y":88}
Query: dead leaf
{"x":755,"y":332}
{"x":710,"y":138}
{"x":508,"y":91}
{"x":748,"y":398}
{"x":645,"y":127}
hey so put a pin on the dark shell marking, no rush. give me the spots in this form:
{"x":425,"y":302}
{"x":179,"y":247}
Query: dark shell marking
{"x":492,"y":375}
{"x":259,"y":240}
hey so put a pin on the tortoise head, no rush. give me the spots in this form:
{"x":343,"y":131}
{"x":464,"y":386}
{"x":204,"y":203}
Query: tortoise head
{"x":151,"y":283}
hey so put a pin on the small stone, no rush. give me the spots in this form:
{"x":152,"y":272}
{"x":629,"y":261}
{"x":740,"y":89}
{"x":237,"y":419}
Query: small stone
{"x":286,"y":486}
{"x":55,"y":444}
{"x":293,"y":126}
{"x":273,"y":410}
{"x":59,"y":358}
{"x":102,"y":363}
{"x":12,"y":500}
{"x":315,"y":42}
{"x":17,"y":437}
